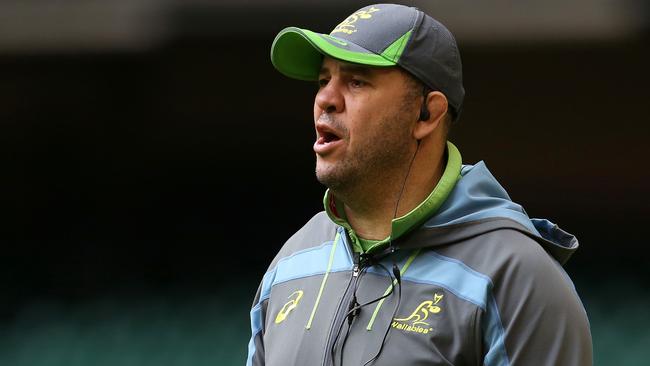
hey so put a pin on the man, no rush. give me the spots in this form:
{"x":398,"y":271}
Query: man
{"x":417,"y":259}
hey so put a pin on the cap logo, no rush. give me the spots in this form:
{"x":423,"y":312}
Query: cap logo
{"x":347,"y":26}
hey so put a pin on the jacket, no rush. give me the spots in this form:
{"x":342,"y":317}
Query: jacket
{"x":480,"y":283}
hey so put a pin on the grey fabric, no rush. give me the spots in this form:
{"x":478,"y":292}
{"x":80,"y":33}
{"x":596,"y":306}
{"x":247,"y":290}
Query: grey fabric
{"x":317,"y":230}
{"x":526,"y":293}
{"x":428,"y":237}
{"x":433,"y":57}
{"x":544,"y":320}
{"x":431,"y":53}
{"x":385,"y":27}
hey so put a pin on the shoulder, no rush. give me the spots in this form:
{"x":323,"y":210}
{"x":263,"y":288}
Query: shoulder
{"x":492,"y":252}
{"x":519,"y":271}
{"x":531,"y":303}
{"x":516,"y":267}
{"x":317,"y":231}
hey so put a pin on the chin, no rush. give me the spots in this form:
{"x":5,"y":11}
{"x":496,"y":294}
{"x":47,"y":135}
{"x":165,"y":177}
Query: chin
{"x":324,"y":174}
{"x":331,"y":177}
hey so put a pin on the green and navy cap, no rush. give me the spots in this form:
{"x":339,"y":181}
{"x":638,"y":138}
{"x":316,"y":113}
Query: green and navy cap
{"x":378,"y":35}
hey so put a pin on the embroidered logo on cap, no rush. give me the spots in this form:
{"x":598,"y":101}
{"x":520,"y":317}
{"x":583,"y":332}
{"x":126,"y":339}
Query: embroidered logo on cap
{"x":348,"y":25}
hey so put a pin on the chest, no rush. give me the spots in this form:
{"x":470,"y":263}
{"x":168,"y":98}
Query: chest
{"x":412,"y":323}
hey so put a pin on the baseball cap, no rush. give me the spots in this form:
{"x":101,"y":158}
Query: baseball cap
{"x":379,"y":35}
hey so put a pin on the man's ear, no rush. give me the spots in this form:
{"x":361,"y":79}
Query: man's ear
{"x":436,"y":105}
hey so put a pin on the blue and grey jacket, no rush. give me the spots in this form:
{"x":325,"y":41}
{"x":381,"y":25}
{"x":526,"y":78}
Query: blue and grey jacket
{"x":480,"y":284}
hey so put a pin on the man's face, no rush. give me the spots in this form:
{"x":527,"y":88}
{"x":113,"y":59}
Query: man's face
{"x":364,"y":117}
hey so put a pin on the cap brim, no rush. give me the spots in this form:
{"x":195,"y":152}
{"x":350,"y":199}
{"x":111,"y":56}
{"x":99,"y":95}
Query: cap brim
{"x":298,"y":53}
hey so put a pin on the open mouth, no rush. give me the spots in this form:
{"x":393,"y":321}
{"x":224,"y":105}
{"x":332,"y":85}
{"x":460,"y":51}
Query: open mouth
{"x":327,"y":139}
{"x":326,"y":134}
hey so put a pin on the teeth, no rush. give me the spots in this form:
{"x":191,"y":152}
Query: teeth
{"x":327,"y":136}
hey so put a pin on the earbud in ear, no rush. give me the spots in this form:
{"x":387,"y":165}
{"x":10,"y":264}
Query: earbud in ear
{"x":424,"y":112}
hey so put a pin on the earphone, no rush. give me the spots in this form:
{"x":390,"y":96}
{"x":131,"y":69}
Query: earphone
{"x":424,"y":110}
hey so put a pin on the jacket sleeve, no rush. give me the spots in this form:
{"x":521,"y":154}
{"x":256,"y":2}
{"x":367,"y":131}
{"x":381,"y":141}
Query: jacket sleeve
{"x":256,"y":343}
{"x":533,"y":315}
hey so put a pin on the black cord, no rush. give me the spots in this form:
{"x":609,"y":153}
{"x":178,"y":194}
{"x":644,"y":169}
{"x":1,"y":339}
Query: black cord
{"x":354,"y":307}
{"x":392,"y":249}
{"x":424,"y":108}
{"x":345,"y":339}
{"x":353,"y":311}
{"x":399,"y":299}
{"x":401,"y":191}
{"x":340,"y":327}
{"x":357,"y":307}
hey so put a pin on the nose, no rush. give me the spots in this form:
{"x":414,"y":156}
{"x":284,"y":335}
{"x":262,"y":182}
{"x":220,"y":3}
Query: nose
{"x":329,"y":98}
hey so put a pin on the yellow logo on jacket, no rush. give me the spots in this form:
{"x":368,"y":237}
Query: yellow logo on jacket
{"x":417,"y":321}
{"x":294,"y":298}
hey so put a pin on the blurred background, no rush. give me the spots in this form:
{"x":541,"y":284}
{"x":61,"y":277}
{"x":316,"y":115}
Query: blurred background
{"x":153,"y":162}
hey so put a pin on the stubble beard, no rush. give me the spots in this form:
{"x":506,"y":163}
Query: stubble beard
{"x":375,"y":162}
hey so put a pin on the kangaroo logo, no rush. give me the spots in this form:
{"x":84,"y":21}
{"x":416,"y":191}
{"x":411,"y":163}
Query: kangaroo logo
{"x":347,"y":26}
{"x":416,"y":322}
{"x":294,"y":298}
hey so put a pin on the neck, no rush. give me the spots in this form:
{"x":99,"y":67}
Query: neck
{"x":370,"y":210}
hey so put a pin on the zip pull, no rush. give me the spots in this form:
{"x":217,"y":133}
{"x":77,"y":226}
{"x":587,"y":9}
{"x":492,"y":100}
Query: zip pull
{"x":355,"y":268}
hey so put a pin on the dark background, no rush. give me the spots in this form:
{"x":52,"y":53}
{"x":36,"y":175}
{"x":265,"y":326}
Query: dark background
{"x":146,"y":188}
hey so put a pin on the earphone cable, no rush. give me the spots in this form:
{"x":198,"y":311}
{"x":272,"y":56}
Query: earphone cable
{"x":357,"y":307}
{"x":383,"y":341}
{"x":340,"y":327}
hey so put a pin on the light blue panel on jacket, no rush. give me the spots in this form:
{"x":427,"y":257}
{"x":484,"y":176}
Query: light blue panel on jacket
{"x":478,"y":195}
{"x":304,"y":263}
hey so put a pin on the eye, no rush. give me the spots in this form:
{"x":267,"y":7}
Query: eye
{"x":322,"y":82}
{"x":356,"y":83}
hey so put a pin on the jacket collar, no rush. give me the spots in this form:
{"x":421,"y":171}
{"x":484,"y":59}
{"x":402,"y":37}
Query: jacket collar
{"x":413,"y":219}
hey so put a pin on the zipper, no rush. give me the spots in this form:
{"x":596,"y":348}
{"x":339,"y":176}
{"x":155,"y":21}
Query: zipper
{"x":340,"y":315}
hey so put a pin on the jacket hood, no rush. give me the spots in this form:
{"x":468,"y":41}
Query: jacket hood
{"x":479,"y":204}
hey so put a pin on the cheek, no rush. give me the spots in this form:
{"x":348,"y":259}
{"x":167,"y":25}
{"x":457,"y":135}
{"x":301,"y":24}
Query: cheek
{"x":367,"y":108}
{"x":362,"y":120}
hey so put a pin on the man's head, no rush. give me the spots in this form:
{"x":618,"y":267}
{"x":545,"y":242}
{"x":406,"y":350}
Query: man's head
{"x":368,"y":122}
{"x":389,"y":77}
